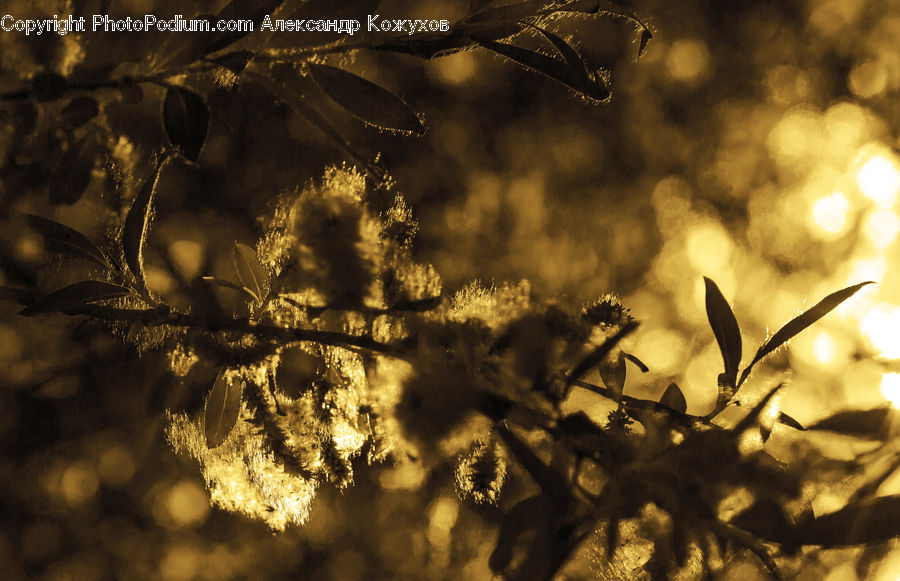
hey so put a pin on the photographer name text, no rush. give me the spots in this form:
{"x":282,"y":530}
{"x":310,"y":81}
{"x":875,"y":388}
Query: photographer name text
{"x":178,"y":23}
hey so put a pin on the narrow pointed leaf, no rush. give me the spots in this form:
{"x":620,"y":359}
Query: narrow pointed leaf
{"x":789,"y":421}
{"x":228,"y":284}
{"x":61,"y":239}
{"x":750,"y":419}
{"x":518,"y":520}
{"x":613,"y":376}
{"x":550,"y":481}
{"x":569,"y":55}
{"x":365,"y":100}
{"x":726,"y":330}
{"x":223,"y":406}
{"x":137,"y":228}
{"x":555,"y":69}
{"x":801,"y":322}
{"x":674,"y":399}
{"x":186,"y":120}
{"x":859,"y":423}
{"x":249,"y":271}
{"x":640,"y":364}
{"x":75,"y":295}
{"x":858,"y":523}
{"x":598,"y":355}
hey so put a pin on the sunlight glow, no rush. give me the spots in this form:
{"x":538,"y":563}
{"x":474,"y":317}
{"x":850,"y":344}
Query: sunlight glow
{"x":879,"y":180}
{"x":830,"y":212}
{"x":890,"y":387}
{"x":882,"y":227}
{"x":882,"y":327}
{"x":824,"y":348}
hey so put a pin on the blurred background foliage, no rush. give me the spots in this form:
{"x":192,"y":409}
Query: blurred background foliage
{"x":753,"y":142}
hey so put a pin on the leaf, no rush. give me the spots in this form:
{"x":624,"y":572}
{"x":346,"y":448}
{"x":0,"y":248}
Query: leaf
{"x":750,"y":419}
{"x":613,"y":376}
{"x":674,"y":399}
{"x":858,"y":523}
{"x":789,"y":421}
{"x":365,"y":100}
{"x":79,"y":111}
{"x":518,"y":520}
{"x":186,"y":120}
{"x":767,"y":520}
{"x":550,"y":481}
{"x":231,"y":285}
{"x":61,"y":239}
{"x":726,"y":330}
{"x":223,"y":406}
{"x":73,"y":174}
{"x":597,"y":356}
{"x":859,"y":423}
{"x":640,"y":364}
{"x":249,"y":271}
{"x":75,"y":295}
{"x":646,"y":35}
{"x":801,"y":322}
{"x":295,"y":101}
{"x":137,"y":228}
{"x":552,"y":68}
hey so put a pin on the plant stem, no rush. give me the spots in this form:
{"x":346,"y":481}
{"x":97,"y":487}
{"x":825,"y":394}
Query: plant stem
{"x":161,"y":316}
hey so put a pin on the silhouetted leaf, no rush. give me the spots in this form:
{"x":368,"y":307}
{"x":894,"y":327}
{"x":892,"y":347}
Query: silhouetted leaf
{"x":767,"y":520}
{"x":75,"y":295}
{"x":871,"y":521}
{"x":613,"y":376}
{"x":293,"y":99}
{"x":365,"y":100}
{"x":61,"y":239}
{"x":598,"y":355}
{"x":750,"y":419}
{"x":726,"y":330}
{"x":801,"y":322}
{"x":573,"y":77}
{"x":859,"y":423}
{"x":518,"y":520}
{"x":186,"y":120}
{"x":79,"y":111}
{"x":137,"y":228}
{"x":223,"y":406}
{"x":789,"y":421}
{"x":646,"y":35}
{"x":640,"y":364}
{"x":249,"y":271}
{"x":551,"y":482}
{"x":73,"y":174}
{"x":674,"y":399}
